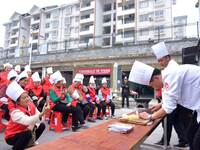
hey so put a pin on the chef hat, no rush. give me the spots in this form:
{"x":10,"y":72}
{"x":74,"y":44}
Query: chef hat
{"x":160,"y":50}
{"x":49,"y":70}
{"x":55,"y":77}
{"x":64,"y":81}
{"x":36,"y":77}
{"x":14,"y":91}
{"x":104,"y":80}
{"x":91,"y":80}
{"x":27,"y":68}
{"x":12,"y":73}
{"x":18,"y":68}
{"x":141,"y":73}
{"x":7,"y":65}
{"x":22,"y":75}
{"x":79,"y":77}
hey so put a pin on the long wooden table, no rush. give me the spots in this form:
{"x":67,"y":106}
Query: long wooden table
{"x":99,"y":138}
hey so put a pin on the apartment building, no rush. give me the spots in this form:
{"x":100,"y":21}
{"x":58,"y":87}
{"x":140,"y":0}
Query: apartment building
{"x":33,"y":30}
{"x":96,"y":23}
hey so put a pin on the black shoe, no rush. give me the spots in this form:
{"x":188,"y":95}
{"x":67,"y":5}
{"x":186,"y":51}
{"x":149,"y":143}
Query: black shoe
{"x":91,"y":120}
{"x":75,"y":128}
{"x":181,"y":145}
{"x":99,"y":118}
{"x":161,"y":143}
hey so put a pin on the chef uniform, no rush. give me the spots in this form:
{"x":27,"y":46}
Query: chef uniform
{"x":181,"y":86}
{"x":46,"y":83}
{"x":175,"y":118}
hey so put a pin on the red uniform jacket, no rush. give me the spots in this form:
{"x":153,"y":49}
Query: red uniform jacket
{"x":92,"y":93}
{"x":13,"y":128}
{"x":46,"y":85}
{"x":36,"y":90}
{"x":105,"y":92}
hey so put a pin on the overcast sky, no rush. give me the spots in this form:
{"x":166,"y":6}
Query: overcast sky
{"x":8,"y":7}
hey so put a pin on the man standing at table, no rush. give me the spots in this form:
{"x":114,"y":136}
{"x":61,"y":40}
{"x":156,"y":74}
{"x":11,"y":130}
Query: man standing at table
{"x":175,"y":118}
{"x":181,"y":86}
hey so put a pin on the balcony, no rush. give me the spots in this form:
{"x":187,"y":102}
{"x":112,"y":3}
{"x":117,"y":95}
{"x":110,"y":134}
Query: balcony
{"x":127,"y":38}
{"x":86,"y":43}
{"x":121,"y":12}
{"x":13,"y":43}
{"x":14,"y":35}
{"x":87,"y":18}
{"x":128,"y":24}
{"x":35,"y":20}
{"x":87,"y":31}
{"x":87,"y":6}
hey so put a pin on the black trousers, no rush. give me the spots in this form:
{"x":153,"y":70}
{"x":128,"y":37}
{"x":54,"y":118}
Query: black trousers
{"x":111,"y":104}
{"x":92,"y":108}
{"x":4,"y":107}
{"x":127,"y":100}
{"x":194,"y":133}
{"x":180,"y":119}
{"x":61,"y":107}
{"x":99,"y":107}
{"x":21,"y":140}
{"x":83,"y":110}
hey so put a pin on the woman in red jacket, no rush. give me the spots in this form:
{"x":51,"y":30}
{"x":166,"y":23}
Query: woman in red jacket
{"x":21,"y":130}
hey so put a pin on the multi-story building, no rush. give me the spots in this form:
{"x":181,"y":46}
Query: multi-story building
{"x":94,"y":23}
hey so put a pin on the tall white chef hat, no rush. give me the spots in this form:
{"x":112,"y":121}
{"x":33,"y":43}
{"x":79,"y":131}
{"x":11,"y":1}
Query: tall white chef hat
{"x":64,"y":80}
{"x":22,"y":75}
{"x":160,"y":50}
{"x":104,"y":80}
{"x":91,"y":79}
{"x":36,"y":77}
{"x":141,"y":73}
{"x":55,"y":77}
{"x":49,"y":70}
{"x":7,"y":65}
{"x":78,"y":77}
{"x":18,"y":68}
{"x":27,"y":68}
{"x":14,"y":91}
{"x":12,"y":73}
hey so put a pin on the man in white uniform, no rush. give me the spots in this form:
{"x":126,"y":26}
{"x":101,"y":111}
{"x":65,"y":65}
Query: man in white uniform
{"x":181,"y":86}
{"x":175,"y":118}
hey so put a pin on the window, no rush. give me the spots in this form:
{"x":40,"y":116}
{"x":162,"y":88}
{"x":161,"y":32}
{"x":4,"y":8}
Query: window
{"x":68,"y":10}
{"x":144,"y":4}
{"x":67,"y":21}
{"x":174,"y":2}
{"x":107,"y":7}
{"x":159,"y":30}
{"x":34,"y":46}
{"x":76,"y":30}
{"x":114,"y":6}
{"x":35,"y":26}
{"x":35,"y":18}
{"x":35,"y":36}
{"x":46,"y":35}
{"x":14,"y":23}
{"x":55,"y":13}
{"x":159,"y":14}
{"x":85,"y":28}
{"x":128,"y":6}
{"x":48,"y":16}
{"x":129,"y":19}
{"x":180,"y":20}
{"x":54,"y":33}
{"x":54,"y":45}
{"x":146,"y":17}
{"x":106,"y":41}
{"x":77,"y":19}
{"x":107,"y":30}
{"x":128,"y":34}
{"x":55,"y":24}
{"x":158,"y":1}
{"x":47,"y":25}
{"x":144,"y":32}
{"x":67,"y":31}
{"x":85,"y":16}
{"x":107,"y":18}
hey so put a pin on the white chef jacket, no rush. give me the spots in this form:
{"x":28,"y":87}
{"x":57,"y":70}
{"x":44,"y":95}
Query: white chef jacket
{"x":181,"y":85}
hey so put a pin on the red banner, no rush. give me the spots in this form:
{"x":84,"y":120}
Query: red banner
{"x":94,"y":71}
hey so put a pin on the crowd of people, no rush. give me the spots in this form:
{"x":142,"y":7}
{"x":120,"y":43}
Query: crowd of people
{"x":25,"y":97}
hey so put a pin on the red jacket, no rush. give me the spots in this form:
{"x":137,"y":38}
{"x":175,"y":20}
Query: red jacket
{"x":46,"y":85}
{"x":37,"y":90}
{"x":29,"y":84}
{"x":105,"y":92}
{"x":13,"y":128}
{"x":92,"y":93}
